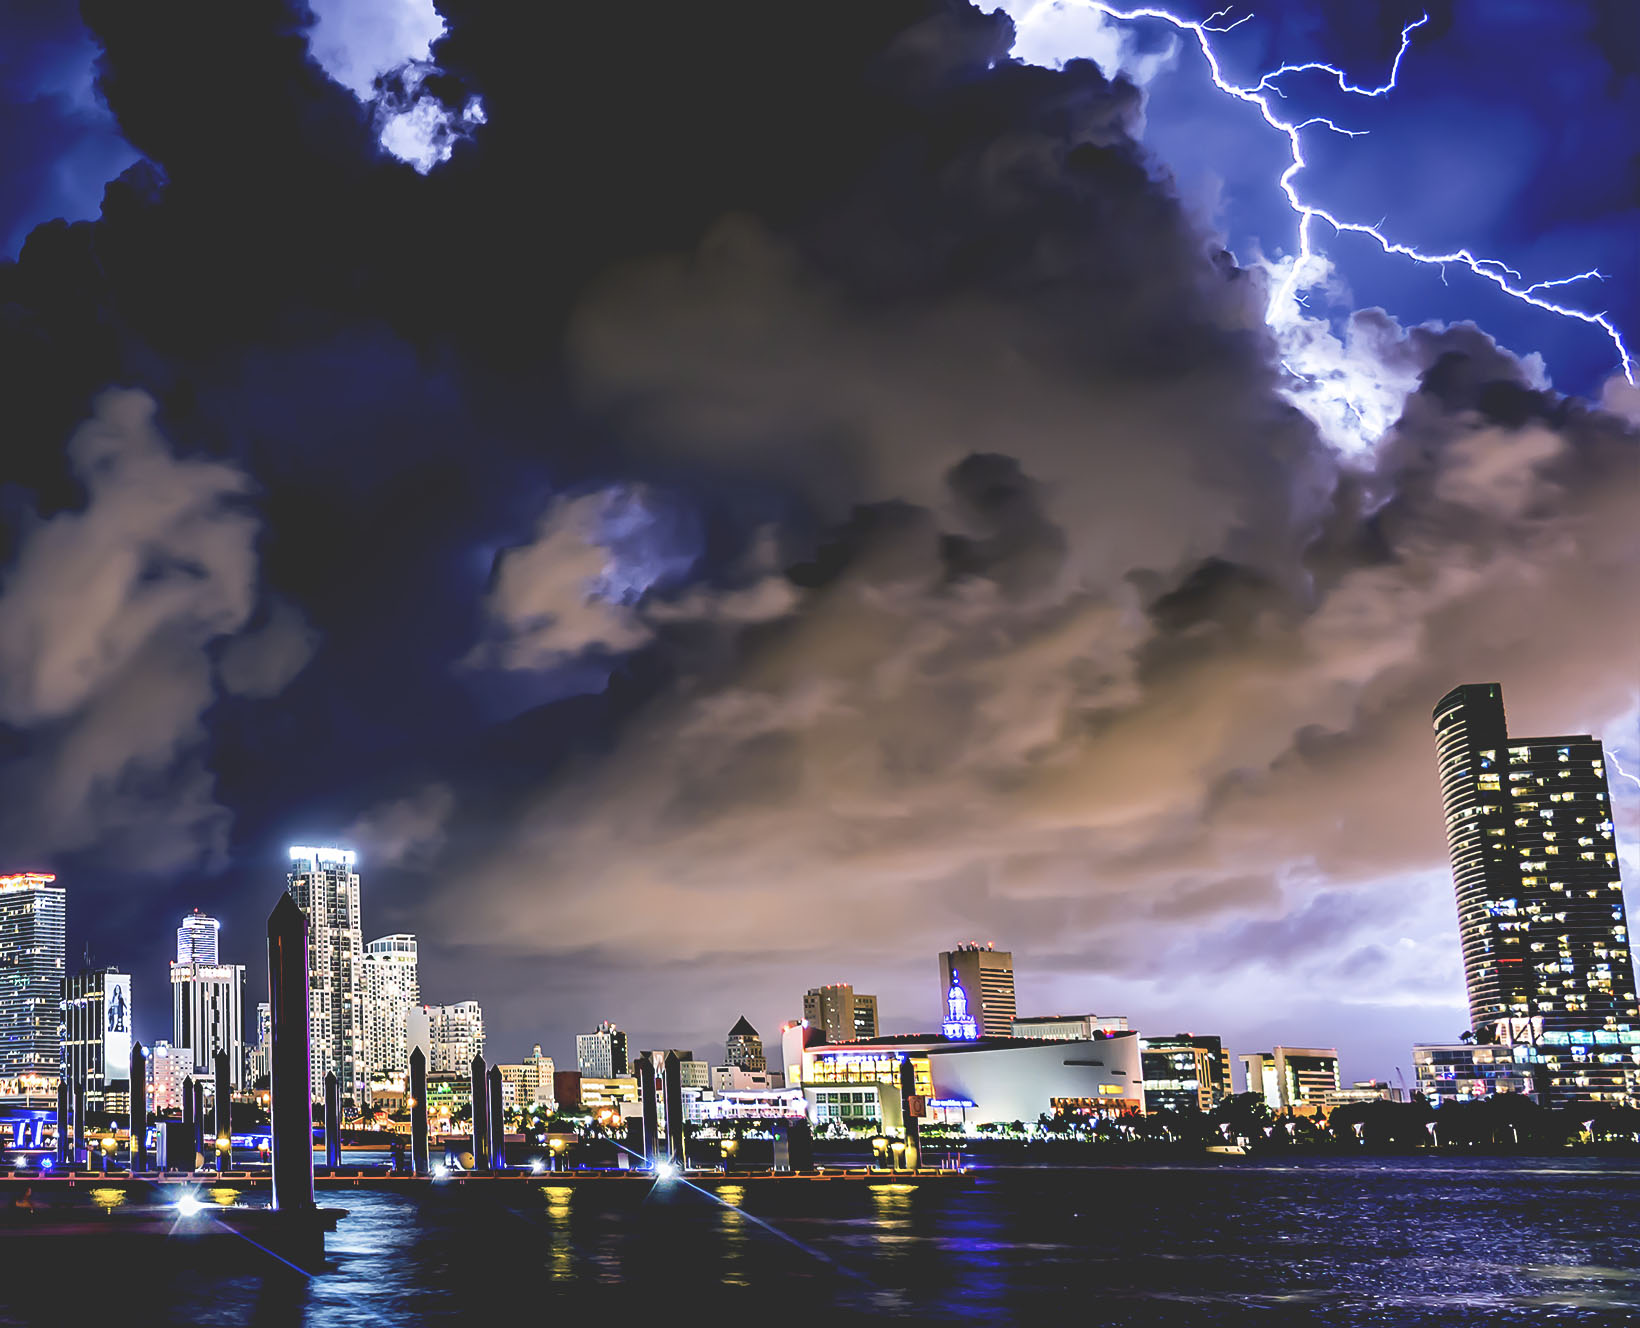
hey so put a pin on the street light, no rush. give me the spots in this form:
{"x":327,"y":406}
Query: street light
{"x":898,"y":1149}
{"x":107,"y":1152}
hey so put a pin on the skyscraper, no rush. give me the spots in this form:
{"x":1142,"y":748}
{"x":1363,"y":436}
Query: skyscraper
{"x":96,"y":1043}
{"x":261,"y":1056}
{"x":197,"y":939}
{"x":208,"y":1016}
{"x":1185,"y":1072}
{"x":392,"y":985}
{"x":1540,"y":901}
{"x":841,"y":1013}
{"x":602,"y":1054}
{"x":987,"y":976}
{"x":33,"y":937}
{"x":326,"y":888}
{"x":743,"y":1048}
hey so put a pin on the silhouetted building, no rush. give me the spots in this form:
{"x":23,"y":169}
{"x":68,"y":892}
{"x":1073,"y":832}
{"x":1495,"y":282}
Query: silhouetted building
{"x":841,"y":1013}
{"x":1540,"y":902}
{"x":1184,"y":1072}
{"x":743,"y":1049}
{"x":691,"y":1073}
{"x":602,"y":1054}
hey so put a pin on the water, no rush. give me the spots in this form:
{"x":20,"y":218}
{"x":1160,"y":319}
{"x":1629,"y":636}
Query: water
{"x":1324,"y":1242}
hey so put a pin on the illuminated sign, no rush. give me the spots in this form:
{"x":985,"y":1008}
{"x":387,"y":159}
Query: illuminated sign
{"x":959,"y":1025}
{"x":344,"y":856}
{"x":116,"y":1026}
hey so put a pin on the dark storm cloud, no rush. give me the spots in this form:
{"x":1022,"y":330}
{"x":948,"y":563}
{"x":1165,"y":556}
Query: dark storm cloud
{"x":999,"y":593}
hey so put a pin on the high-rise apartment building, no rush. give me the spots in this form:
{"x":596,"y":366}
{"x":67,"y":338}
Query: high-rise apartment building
{"x":1185,"y":1072}
{"x":197,"y":939}
{"x":96,"y":1040}
{"x":208,"y":1016}
{"x":326,"y":888}
{"x":743,"y":1049}
{"x":33,"y":938}
{"x":987,"y":976}
{"x":391,"y":986}
{"x":449,"y":1035}
{"x":1541,"y":920}
{"x":1291,"y":1078}
{"x":602,"y":1054}
{"x":841,"y":1013}
{"x":168,"y":1068}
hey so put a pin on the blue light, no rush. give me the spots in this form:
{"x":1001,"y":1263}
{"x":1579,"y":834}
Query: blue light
{"x":959,"y":1025}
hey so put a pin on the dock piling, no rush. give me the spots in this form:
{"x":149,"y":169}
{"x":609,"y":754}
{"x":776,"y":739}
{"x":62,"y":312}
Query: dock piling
{"x":481,"y":1116}
{"x":139,"y":1108}
{"x":418,"y":1111}
{"x":289,"y":1083}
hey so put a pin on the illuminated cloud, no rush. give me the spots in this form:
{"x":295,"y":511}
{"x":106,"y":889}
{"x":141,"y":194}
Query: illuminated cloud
{"x":107,"y":622}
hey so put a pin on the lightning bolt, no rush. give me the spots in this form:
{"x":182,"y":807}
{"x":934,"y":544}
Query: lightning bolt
{"x":1618,"y":766}
{"x":1260,"y":94}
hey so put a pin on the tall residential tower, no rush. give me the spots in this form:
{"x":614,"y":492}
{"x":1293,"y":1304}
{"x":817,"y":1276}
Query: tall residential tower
{"x":326,"y":888}
{"x":1540,"y":902}
{"x":392,"y":984}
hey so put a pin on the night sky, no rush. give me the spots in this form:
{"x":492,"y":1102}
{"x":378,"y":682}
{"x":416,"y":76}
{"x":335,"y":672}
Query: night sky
{"x":714,"y":499}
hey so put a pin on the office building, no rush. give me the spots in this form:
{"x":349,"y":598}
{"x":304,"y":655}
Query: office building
{"x":208,"y":1015}
{"x":1292,"y":1079}
{"x":391,"y":985}
{"x":743,"y":1048}
{"x":33,"y":937}
{"x":449,"y":1035}
{"x":531,"y":1080}
{"x":326,"y":888}
{"x":197,"y":939}
{"x":602,"y":1054}
{"x":96,"y":1043}
{"x":841,"y":1013}
{"x":1464,"y":1071}
{"x":987,"y":976}
{"x":733,"y":1079}
{"x":1184,"y":1072}
{"x":262,"y":1050}
{"x":1069,"y":1027}
{"x":1541,"y":919}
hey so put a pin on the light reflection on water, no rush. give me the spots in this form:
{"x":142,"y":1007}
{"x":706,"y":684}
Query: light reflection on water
{"x":1325,"y":1245}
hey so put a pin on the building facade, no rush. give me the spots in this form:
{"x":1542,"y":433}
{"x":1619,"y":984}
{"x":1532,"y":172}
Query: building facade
{"x":1069,"y":1027}
{"x":841,"y":1013}
{"x":96,"y":1043}
{"x":531,"y":1079}
{"x":972,"y":1082}
{"x":326,"y":888}
{"x":1547,"y":959}
{"x":743,"y":1048}
{"x":197,"y":939}
{"x":987,"y":976}
{"x":691,"y":1073}
{"x":208,"y":1015}
{"x":1464,"y":1071}
{"x":33,"y":940}
{"x":1185,"y":1072}
{"x":449,"y":1035}
{"x":168,"y":1067}
{"x":602,"y":1053}
{"x":1293,"y":1078}
{"x":392,"y":985}
{"x":261,"y":1055}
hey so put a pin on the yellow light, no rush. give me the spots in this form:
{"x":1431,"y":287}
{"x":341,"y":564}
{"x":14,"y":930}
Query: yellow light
{"x":108,"y":1145}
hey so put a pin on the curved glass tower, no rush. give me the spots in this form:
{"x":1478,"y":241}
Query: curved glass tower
{"x":1540,"y":901}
